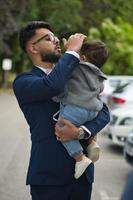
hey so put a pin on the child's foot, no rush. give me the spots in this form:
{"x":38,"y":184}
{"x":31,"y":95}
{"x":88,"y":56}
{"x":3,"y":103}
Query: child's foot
{"x":81,"y":166}
{"x":93,"y":151}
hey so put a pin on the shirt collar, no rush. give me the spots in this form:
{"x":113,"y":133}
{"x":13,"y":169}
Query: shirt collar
{"x":45,"y":70}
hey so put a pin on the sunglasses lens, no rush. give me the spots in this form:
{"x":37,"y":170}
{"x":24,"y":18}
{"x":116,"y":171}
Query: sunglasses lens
{"x":52,"y":38}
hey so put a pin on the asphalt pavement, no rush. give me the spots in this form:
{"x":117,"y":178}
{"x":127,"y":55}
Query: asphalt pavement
{"x":111,"y":171}
{"x":14,"y":150}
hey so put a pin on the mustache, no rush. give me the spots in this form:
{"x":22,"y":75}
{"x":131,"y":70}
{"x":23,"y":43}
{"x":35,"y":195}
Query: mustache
{"x":57,"y":46}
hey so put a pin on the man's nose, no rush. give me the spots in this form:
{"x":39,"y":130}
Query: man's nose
{"x":56,"y":40}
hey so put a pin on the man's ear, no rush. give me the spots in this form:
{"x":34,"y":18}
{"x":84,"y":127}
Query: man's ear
{"x":31,"y":48}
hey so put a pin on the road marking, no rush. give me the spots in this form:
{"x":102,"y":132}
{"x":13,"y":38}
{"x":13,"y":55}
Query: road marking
{"x":104,"y":196}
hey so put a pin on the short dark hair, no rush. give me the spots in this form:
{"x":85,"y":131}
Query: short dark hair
{"x":28,"y":32}
{"x":96,"y":52}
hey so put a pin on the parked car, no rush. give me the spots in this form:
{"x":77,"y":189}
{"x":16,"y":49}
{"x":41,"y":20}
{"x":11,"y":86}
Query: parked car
{"x":112,"y":84}
{"x":108,"y":89}
{"x":128,"y":148}
{"x":122,"y":95}
{"x":121,"y":124}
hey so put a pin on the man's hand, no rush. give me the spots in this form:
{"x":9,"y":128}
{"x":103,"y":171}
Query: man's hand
{"x":74,"y":42}
{"x":66,"y":132}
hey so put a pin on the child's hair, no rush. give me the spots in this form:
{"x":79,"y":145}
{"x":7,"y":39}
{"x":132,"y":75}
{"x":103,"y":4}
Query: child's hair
{"x":95,"y":52}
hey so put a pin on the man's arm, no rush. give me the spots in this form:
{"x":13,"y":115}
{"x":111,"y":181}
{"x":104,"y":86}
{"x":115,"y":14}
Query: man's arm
{"x":99,"y":122}
{"x":70,"y":131}
{"x":29,"y":88}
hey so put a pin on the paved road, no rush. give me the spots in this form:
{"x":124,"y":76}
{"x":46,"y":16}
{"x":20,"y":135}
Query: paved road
{"x":110,"y":174}
{"x":111,"y":171}
{"x":14,"y":150}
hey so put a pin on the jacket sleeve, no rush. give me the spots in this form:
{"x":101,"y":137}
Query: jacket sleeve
{"x":97,"y":124}
{"x":28,"y":87}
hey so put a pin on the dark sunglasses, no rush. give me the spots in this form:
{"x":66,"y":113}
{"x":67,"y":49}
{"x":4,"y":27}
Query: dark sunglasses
{"x":48,"y":36}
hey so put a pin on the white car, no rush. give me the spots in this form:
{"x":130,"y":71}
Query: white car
{"x":128,"y":149}
{"x":121,"y":124}
{"x":122,"y":96}
{"x":111,"y":84}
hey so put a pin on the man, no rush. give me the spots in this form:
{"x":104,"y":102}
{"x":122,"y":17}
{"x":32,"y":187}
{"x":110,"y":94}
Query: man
{"x":51,"y":169}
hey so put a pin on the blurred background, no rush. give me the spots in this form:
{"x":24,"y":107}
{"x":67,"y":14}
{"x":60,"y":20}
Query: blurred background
{"x":108,"y":20}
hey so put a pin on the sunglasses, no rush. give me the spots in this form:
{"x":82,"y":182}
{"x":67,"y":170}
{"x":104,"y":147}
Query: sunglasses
{"x":48,"y":36}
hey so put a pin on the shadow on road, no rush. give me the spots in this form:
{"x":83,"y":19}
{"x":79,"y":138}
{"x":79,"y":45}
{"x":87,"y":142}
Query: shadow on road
{"x":115,"y":149}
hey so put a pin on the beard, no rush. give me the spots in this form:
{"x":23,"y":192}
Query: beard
{"x":50,"y":57}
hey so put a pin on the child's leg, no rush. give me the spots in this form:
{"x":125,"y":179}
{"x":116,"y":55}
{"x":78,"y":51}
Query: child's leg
{"x":93,"y":149}
{"x":82,"y":162}
{"x":77,"y":116}
{"x":75,"y":150}
{"x":72,"y":114}
{"x":91,"y":139}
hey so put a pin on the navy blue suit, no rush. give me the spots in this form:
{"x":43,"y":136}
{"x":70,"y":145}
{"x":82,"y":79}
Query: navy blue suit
{"x":128,"y":190}
{"x":50,"y":164}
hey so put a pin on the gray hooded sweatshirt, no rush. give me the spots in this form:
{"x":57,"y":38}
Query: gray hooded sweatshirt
{"x":84,"y":86}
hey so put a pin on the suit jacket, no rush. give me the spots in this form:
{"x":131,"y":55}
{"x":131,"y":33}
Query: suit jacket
{"x":49,"y":163}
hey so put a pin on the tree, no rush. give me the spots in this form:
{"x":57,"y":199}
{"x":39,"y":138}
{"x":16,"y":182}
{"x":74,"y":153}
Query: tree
{"x":96,"y":11}
{"x":118,"y":37}
{"x":10,"y":12}
{"x":63,"y":15}
{"x":66,"y":17}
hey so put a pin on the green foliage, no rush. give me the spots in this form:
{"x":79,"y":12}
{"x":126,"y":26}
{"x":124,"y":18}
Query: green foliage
{"x":63,"y":15}
{"x":121,"y":8}
{"x":31,"y":11}
{"x":10,"y":13}
{"x":110,"y":20}
{"x":96,"y":11}
{"x":118,"y":37}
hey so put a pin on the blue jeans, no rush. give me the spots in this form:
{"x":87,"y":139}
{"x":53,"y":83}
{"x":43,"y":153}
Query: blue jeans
{"x":77,"y":116}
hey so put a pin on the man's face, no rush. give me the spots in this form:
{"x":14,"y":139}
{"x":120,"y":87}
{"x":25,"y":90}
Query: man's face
{"x":47,"y":44}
